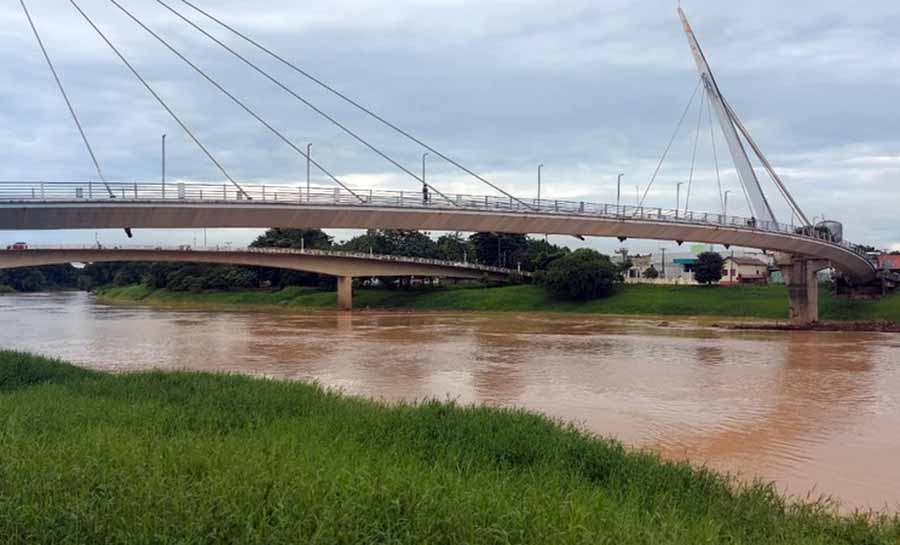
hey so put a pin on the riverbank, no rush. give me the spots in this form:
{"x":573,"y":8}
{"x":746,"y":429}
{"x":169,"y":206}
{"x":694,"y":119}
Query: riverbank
{"x":762,"y":302}
{"x":191,"y":457}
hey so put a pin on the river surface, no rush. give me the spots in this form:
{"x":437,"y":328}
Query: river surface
{"x":816,"y":412}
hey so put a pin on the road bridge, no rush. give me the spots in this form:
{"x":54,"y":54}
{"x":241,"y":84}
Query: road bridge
{"x":345,"y":266}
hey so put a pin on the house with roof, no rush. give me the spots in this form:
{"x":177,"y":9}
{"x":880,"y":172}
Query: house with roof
{"x":745,"y":270}
{"x":888,"y":262}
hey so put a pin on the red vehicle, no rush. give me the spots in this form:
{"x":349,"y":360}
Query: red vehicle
{"x":17,"y":246}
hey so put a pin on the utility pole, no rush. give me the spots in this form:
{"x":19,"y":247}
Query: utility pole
{"x":663,"y":263}
{"x":308,"y":161}
{"x":164,"y":166}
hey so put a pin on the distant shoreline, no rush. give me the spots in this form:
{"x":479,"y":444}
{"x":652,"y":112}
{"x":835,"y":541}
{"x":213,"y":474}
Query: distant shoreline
{"x":768,"y":303}
{"x":878,"y":326}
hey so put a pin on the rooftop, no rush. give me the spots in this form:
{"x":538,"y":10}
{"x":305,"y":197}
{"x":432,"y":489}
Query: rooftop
{"x":747,"y":261}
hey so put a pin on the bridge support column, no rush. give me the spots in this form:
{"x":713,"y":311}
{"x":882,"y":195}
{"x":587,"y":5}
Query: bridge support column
{"x":803,"y":288}
{"x":345,"y":292}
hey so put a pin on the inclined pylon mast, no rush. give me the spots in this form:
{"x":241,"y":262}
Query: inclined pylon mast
{"x":759,"y":204}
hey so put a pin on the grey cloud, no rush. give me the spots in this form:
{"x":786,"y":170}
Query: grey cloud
{"x":590,"y":89}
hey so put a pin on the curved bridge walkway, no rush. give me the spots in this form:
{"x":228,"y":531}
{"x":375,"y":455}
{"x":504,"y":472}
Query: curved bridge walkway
{"x":343,"y":265}
{"x":88,"y":205}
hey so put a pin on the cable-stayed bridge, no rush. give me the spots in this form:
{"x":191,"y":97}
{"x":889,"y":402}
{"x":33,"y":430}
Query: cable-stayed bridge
{"x":801,"y":248}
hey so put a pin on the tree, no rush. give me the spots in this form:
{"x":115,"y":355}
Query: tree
{"x":393,"y":242}
{"x":541,"y":253}
{"x":500,"y":250}
{"x":650,"y":273}
{"x":581,"y":275}
{"x":453,"y":247}
{"x":708,"y":269}
{"x":312,"y":239}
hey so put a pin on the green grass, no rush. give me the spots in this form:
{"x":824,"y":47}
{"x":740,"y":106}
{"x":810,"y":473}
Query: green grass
{"x":766,"y":302}
{"x":160,"y":457}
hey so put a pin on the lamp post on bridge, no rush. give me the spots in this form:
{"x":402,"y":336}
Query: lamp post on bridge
{"x":540,"y":167}
{"x":725,"y":205}
{"x":424,"y":184}
{"x":619,"y":193}
{"x":308,"y":161}
{"x":678,"y":198}
{"x":164,"y":166}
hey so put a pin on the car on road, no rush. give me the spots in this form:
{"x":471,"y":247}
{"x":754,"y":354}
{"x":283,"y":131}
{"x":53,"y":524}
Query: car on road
{"x":17,"y":246}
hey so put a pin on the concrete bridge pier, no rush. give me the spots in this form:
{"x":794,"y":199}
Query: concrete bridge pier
{"x":803,"y":287}
{"x":345,"y":292}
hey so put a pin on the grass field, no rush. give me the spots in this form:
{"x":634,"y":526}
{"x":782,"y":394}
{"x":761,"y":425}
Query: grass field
{"x":197,"y":458}
{"x":766,"y":302}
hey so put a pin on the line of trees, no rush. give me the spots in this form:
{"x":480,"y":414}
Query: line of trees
{"x":32,"y":279}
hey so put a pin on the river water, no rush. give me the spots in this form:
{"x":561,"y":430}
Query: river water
{"x":813,"y":411}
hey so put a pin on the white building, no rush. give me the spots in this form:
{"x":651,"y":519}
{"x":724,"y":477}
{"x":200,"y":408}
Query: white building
{"x":745,"y":270}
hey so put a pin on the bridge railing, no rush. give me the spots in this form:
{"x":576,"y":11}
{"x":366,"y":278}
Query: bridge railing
{"x":280,"y":251}
{"x":45,"y":191}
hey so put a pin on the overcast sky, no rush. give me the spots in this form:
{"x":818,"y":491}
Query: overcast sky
{"x":588,"y":88}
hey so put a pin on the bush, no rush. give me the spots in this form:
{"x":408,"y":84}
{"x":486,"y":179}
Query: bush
{"x":650,"y":273}
{"x":584,"y":274}
{"x":709,"y":268}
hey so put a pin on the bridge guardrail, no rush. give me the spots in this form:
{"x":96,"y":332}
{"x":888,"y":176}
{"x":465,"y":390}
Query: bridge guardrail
{"x":45,"y":191}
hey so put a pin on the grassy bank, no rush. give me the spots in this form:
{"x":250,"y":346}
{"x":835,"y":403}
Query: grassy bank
{"x":767,"y":302}
{"x":197,"y":458}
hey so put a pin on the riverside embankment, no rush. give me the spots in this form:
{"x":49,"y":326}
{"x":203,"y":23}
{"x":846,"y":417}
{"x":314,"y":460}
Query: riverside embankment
{"x":194,"y":457}
{"x":744,"y":302}
{"x":810,"y":411}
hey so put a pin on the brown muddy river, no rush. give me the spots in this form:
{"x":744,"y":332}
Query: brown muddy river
{"x":814,"y":412}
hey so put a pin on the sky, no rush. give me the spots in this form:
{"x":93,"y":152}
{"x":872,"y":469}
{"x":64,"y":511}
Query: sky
{"x":589,"y":89}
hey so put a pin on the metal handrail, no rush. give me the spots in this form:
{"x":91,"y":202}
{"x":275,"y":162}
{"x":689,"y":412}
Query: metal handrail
{"x":280,"y":194}
{"x":280,"y":251}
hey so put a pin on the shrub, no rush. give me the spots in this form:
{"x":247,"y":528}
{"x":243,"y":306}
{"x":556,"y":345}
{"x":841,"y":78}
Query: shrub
{"x":650,"y":273}
{"x":584,"y":274}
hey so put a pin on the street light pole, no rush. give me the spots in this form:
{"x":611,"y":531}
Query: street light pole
{"x":424,"y":184}
{"x":725,"y":206}
{"x":663,"y":263}
{"x":308,"y":161}
{"x":540,"y":167}
{"x":619,"y":192}
{"x":164,"y":166}
{"x":678,"y":198}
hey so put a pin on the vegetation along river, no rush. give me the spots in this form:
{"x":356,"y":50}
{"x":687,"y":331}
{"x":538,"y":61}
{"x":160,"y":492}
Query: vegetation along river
{"x":816,"y":412}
